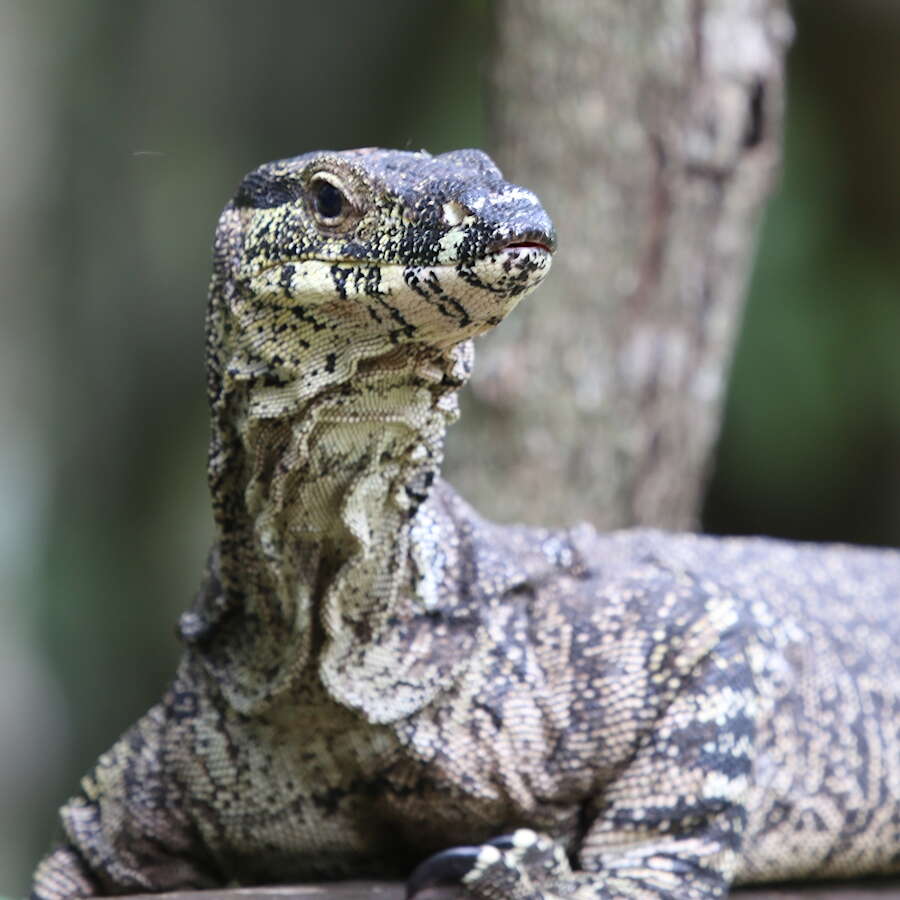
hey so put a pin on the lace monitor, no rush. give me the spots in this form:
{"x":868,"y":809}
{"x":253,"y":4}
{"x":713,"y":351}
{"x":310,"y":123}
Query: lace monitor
{"x":375,"y":676}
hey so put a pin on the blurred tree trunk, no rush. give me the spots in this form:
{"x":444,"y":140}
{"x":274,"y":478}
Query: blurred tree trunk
{"x":651,"y":131}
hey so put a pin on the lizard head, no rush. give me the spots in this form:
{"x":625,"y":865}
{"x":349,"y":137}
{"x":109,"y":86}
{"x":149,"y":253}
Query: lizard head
{"x":370,"y":249}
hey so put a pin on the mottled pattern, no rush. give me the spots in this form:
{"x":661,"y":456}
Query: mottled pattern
{"x":374,"y":674}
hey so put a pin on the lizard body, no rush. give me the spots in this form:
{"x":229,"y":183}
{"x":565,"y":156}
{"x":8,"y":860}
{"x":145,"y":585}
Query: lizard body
{"x":373,"y":673}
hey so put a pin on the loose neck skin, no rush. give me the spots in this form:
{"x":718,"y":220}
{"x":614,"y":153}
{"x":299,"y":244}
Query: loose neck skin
{"x":317,"y":501}
{"x":339,"y":476}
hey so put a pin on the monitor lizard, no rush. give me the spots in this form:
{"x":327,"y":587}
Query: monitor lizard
{"x":375,"y":677}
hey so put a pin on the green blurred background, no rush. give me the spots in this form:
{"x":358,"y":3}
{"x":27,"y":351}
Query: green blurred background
{"x":124,"y":126}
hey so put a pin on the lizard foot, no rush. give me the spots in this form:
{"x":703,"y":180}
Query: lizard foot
{"x":509,"y":867}
{"x":62,"y":876}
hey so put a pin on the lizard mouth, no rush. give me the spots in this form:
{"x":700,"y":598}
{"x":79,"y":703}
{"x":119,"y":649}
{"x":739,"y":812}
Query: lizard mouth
{"x":536,"y":239}
{"x":527,"y":245}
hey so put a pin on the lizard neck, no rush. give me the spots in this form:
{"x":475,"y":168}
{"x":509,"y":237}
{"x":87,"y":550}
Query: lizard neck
{"x":331,"y":472}
{"x":317,"y":497}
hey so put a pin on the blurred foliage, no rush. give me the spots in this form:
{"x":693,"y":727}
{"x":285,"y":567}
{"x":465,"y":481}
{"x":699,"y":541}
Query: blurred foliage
{"x":135,"y":120}
{"x":811,"y":440}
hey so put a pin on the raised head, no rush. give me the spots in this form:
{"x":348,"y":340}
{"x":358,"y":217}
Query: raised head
{"x":331,"y":257}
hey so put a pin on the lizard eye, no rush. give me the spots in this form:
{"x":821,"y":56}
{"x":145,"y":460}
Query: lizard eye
{"x":329,"y":203}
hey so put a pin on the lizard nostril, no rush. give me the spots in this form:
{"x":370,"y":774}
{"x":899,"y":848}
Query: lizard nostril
{"x":454,"y":212}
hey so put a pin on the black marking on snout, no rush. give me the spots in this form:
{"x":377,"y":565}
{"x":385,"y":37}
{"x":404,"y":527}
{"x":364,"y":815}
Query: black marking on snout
{"x":260,"y":190}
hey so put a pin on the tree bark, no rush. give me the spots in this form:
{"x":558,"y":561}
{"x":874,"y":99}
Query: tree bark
{"x":651,"y":131}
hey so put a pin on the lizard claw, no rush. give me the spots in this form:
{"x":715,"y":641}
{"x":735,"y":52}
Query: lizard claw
{"x":503,"y":841}
{"x":450,"y":867}
{"x":445,"y":868}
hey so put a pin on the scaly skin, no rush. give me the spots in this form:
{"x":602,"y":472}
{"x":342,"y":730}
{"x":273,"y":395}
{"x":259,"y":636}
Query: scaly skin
{"x":374,"y":674}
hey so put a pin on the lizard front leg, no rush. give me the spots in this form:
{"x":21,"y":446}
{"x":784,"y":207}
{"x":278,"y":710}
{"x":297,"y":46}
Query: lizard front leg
{"x":126,"y":831}
{"x":532,"y":866}
{"x":668,"y":827}
{"x":63,"y":874}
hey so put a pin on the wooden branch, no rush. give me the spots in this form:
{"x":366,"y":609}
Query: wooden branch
{"x":372,"y":890}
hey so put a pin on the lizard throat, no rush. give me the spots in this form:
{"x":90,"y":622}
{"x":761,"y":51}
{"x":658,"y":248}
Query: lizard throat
{"x":357,"y":453}
{"x":321,"y":557}
{"x":317,"y":497}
